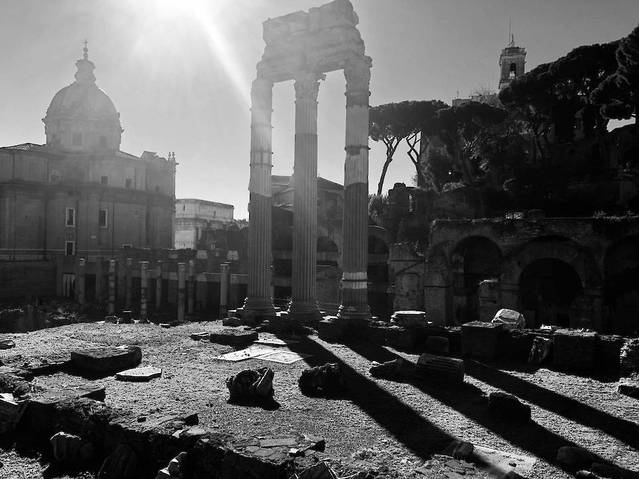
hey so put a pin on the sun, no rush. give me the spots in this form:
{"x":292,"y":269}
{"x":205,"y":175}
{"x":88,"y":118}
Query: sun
{"x":204,"y":15}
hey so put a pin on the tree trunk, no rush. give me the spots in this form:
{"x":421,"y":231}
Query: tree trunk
{"x":380,"y":184}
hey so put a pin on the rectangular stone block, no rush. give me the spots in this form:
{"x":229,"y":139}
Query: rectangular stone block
{"x":574,"y":350}
{"x":481,"y":340}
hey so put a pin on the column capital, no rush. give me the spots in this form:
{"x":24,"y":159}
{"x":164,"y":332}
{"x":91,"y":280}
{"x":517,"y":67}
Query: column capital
{"x":358,"y":76}
{"x":307,"y":85}
{"x":262,"y":94}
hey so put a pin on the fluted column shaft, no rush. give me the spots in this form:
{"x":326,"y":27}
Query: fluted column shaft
{"x":355,"y":227}
{"x":304,"y":292}
{"x":111,"y":288}
{"x":144,"y":286}
{"x":259,"y":301}
{"x":181,"y":278}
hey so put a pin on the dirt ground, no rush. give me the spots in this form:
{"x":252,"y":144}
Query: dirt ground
{"x":389,"y":426}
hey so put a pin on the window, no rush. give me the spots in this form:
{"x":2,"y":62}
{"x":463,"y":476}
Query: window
{"x":103,"y":216}
{"x":513,"y":70}
{"x":70,"y":217}
{"x":104,"y":180}
{"x":128,"y":183}
{"x":69,"y":248}
{"x":127,"y":246}
{"x":77,"y":139}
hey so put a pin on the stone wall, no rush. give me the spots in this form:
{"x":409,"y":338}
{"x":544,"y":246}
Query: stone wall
{"x":19,"y":278}
{"x":573,"y":272}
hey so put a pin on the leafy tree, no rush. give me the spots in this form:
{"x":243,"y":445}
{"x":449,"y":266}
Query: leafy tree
{"x":619,"y":93}
{"x":386,"y":125}
{"x":458,"y":126}
{"x":393,"y":123}
{"x":577,"y":75}
{"x":422,"y":121}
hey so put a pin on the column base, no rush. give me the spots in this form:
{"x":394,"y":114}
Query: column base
{"x":335,"y":330}
{"x":354,"y":313}
{"x":258,"y":309}
{"x":304,"y":312}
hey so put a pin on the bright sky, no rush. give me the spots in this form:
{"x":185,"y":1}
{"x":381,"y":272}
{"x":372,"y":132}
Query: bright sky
{"x":179,"y":71}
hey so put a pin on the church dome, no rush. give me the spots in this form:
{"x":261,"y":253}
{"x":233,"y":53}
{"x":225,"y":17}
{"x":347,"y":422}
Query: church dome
{"x":81,"y":116}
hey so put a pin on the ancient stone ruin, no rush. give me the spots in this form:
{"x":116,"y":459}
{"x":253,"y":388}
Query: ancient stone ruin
{"x":302,"y":47}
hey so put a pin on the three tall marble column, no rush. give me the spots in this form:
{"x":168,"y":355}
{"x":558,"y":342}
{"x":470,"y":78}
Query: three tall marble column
{"x":303,"y":307}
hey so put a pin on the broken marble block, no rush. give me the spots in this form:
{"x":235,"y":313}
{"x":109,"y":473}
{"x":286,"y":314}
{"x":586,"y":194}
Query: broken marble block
{"x":323,"y":381}
{"x":409,"y":319}
{"x":251,"y":385}
{"x":508,"y":407}
{"x":238,"y":338}
{"x":106,"y":360}
{"x":440,"y":368}
{"x":396,"y":369}
{"x":510,"y":318}
{"x":70,"y":449}
{"x":143,"y":374}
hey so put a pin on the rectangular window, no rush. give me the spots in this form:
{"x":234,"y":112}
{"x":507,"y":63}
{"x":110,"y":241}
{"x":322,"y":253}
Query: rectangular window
{"x":128,"y":183}
{"x":77,"y":139}
{"x":103,"y":216}
{"x":70,"y":217}
{"x":69,"y":248}
{"x":104,"y":180}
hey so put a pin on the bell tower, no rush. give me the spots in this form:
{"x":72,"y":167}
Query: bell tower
{"x":512,"y":63}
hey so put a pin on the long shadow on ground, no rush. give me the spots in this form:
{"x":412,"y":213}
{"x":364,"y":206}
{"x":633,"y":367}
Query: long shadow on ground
{"x":621,"y":429}
{"x":472,"y":403}
{"x":419,"y":435}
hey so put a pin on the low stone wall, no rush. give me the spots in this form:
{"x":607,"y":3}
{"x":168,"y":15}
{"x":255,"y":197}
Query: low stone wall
{"x":38,"y":278}
{"x":570,"y":350}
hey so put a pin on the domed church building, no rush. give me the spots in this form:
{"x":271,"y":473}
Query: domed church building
{"x":79,"y":194}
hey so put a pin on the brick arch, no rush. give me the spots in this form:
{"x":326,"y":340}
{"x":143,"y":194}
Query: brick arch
{"x":563,"y":249}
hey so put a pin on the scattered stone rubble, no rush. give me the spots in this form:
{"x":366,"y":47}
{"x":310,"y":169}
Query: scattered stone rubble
{"x":397,"y":369}
{"x":251,"y":386}
{"x":323,"y":381}
{"x":237,"y":338}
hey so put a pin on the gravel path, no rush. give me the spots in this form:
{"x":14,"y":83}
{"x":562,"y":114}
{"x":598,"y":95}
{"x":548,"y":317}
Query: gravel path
{"x":387,"y":425}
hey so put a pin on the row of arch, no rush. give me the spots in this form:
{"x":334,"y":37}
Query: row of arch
{"x":552,"y":279}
